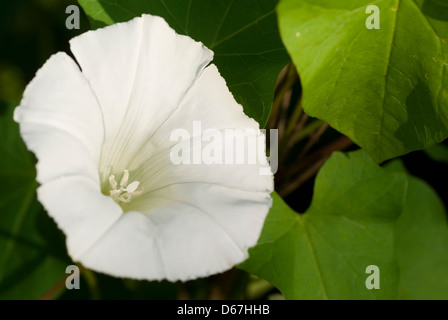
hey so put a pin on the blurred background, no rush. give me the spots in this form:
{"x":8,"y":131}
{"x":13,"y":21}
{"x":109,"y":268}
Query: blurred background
{"x":30,"y":32}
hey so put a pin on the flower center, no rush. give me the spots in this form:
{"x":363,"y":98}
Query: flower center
{"x":125,"y":191}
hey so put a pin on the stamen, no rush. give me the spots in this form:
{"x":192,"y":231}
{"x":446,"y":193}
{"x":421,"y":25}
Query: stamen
{"x":125,"y":192}
{"x":124,"y":179}
{"x":132,"y":186}
{"x":112,"y":182}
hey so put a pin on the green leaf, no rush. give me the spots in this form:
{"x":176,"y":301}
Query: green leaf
{"x":243,"y":34}
{"x":438,"y":152}
{"x":324,"y":253}
{"x":384,"y":88}
{"x":422,"y":242}
{"x":30,"y":262}
{"x":422,"y":245}
{"x":351,"y":223}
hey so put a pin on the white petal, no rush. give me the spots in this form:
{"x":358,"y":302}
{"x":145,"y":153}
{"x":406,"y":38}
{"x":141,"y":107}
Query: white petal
{"x":160,"y":173}
{"x":194,"y":220}
{"x":198,"y":219}
{"x":214,"y":231}
{"x":59,"y":154}
{"x":80,"y":211}
{"x":187,"y":235}
{"x":140,"y":72}
{"x":210,"y":102}
{"x":60,"y":121}
{"x":128,"y":249}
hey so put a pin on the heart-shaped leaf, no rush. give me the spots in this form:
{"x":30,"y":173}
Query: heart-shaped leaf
{"x":386,"y":88}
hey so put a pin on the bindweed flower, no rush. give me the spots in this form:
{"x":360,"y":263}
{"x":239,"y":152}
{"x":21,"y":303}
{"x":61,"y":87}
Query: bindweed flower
{"x":101,"y":134}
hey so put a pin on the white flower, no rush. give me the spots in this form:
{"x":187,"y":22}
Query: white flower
{"x":112,"y":122}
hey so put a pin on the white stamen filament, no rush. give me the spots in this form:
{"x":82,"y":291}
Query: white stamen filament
{"x":125,"y":192}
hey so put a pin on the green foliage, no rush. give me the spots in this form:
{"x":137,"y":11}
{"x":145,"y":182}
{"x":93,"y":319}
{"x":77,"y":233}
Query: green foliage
{"x":438,"y":152}
{"x":32,"y":258}
{"x":243,"y":35}
{"x":384,"y":88}
{"x":390,"y":220}
{"x":421,"y":243}
{"x":324,"y":253}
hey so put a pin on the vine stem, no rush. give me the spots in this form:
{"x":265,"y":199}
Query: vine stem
{"x":302,"y":178}
{"x":54,"y":290}
{"x":312,"y":164}
{"x":283,"y":88}
{"x":314,"y":138}
{"x":307,"y":130}
{"x":293,"y":124}
{"x":90,"y":278}
{"x":92,"y":282}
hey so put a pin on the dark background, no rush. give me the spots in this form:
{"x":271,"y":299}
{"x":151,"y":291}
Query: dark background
{"x":30,"y":32}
